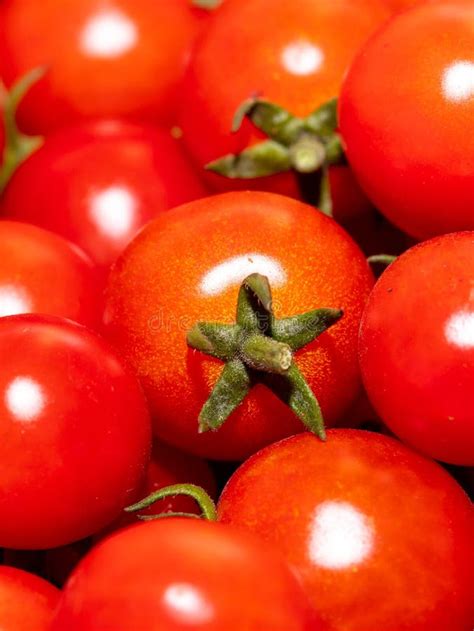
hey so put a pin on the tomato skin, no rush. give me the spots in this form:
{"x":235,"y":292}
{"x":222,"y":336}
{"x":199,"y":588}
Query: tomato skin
{"x":421,"y":176}
{"x":27,"y":602}
{"x":417,"y":350}
{"x":261,"y":45}
{"x":225,"y":579}
{"x":187,"y":266}
{"x":381,"y":537}
{"x":75,"y":433}
{"x":42,"y":273}
{"x":107,"y":179}
{"x":123,"y":59}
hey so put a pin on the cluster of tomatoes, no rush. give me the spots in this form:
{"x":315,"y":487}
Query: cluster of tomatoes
{"x":190,"y":190}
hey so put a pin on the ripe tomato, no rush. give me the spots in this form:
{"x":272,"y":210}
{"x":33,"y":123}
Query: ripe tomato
{"x":105,"y":181}
{"x":121,"y":58}
{"x":43,"y":273}
{"x":27,"y":602}
{"x":187,"y":266}
{"x":177,"y":574}
{"x":292,"y":53}
{"x":75,"y":433}
{"x":406,"y":139}
{"x":417,"y":347}
{"x":401,"y":5}
{"x":381,"y":537}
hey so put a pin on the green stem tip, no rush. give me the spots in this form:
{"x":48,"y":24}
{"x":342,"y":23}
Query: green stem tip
{"x":198,"y":494}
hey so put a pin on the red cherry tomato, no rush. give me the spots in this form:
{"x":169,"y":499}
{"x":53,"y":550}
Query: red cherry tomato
{"x":187,"y":266}
{"x":179,"y":574}
{"x":381,"y":537}
{"x":292,"y":53}
{"x":105,"y":181}
{"x":417,"y":347}
{"x":75,"y":433}
{"x":119,"y":58}
{"x":27,"y":602}
{"x":406,"y":139}
{"x":43,"y":273}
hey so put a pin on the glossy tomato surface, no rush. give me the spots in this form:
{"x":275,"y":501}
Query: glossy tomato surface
{"x":187,"y":266}
{"x":407,"y":140}
{"x":175,"y":574}
{"x":114,"y":58}
{"x":292,"y":53}
{"x":417,"y":347}
{"x":42,"y":273}
{"x":381,"y":537}
{"x":27,"y":602}
{"x":75,"y":432}
{"x":105,"y":180}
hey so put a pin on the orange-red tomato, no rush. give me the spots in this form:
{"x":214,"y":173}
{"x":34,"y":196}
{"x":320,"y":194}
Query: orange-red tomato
{"x":292,"y":53}
{"x":187,"y":266}
{"x":381,"y":536}
{"x":27,"y":602}
{"x":114,"y":58}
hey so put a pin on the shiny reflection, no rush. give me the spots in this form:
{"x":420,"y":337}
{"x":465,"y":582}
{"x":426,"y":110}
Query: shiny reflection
{"x":109,"y":34}
{"x":113,"y":211}
{"x":459,"y":329}
{"x":233,"y":271}
{"x":187,"y":604}
{"x":25,"y":399}
{"x":341,"y":536}
{"x":302,"y":58}
{"x":13,"y":300}
{"x":458,"y":81}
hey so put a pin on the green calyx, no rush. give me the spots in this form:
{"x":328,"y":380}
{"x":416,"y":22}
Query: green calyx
{"x":18,"y":146}
{"x":304,"y":145}
{"x":198,"y":494}
{"x":206,"y":4}
{"x":259,"y":348}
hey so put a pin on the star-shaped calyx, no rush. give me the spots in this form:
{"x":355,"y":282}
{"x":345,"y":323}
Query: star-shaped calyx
{"x":259,"y":348}
{"x":308,"y":145}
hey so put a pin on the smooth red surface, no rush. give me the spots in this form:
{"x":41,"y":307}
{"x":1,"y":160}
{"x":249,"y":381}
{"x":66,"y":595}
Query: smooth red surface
{"x":97,"y":184}
{"x":173,"y":575}
{"x":381,"y":537}
{"x":417,"y":347}
{"x":292,"y":53}
{"x":42,"y":273}
{"x":187,"y":266}
{"x":408,"y":140}
{"x":75,"y":433}
{"x":27,"y":602}
{"x":119,"y":58}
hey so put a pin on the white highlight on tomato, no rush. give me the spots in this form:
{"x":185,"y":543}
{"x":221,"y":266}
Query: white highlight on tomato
{"x":302,"y":58}
{"x":109,"y":34}
{"x":459,"y":329}
{"x":13,"y":300}
{"x":25,"y":399}
{"x":113,"y":211}
{"x":187,"y":604}
{"x":458,"y":81}
{"x":232,"y":272}
{"x":340,"y":536}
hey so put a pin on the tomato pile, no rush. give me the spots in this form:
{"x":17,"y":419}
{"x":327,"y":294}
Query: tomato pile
{"x":237,"y":315}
